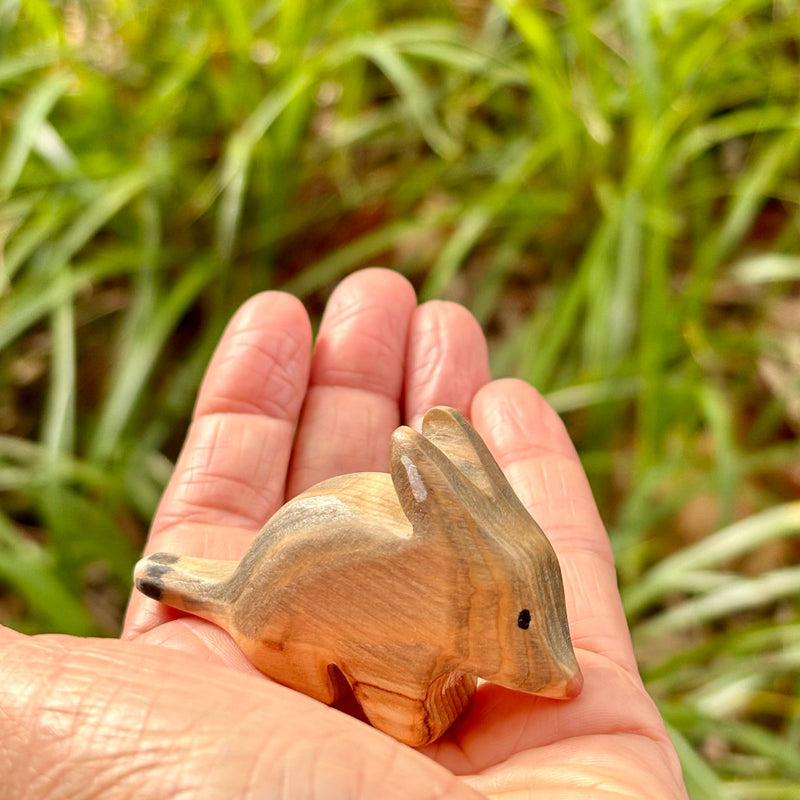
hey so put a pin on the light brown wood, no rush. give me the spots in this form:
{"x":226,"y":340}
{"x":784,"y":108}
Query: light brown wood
{"x":406,"y":587}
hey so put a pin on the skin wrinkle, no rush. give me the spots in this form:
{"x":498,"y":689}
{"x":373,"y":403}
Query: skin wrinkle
{"x":107,"y":715}
{"x":215,"y":462}
{"x":624,"y":683}
{"x":601,"y":645}
{"x":587,"y":625}
{"x":540,"y":472}
{"x":567,"y":536}
{"x":346,"y":447}
{"x":353,"y":392}
{"x":583,"y":573}
{"x":434,"y":322}
{"x":204,"y":641}
{"x":318,"y":782}
{"x":594,"y":719}
{"x":197,"y":513}
{"x":545,"y":504}
{"x":508,"y":435}
{"x":225,"y":542}
{"x":560,"y":477}
{"x":111,"y":780}
{"x":204,"y":536}
{"x":592,"y":557}
{"x":360,"y":439}
{"x":387,"y":774}
{"x":462,"y":364}
{"x":595,"y":772}
{"x":459,"y":389}
{"x":580,"y":780}
{"x":256,"y":350}
{"x":333,"y":754}
{"x":376,"y":285}
{"x":54,"y":725}
{"x":253,"y":777}
{"x":131,"y":768}
{"x":548,"y":478}
{"x":529,"y":452}
{"x":268,"y":396}
{"x":227,"y":453}
{"x":272,"y":760}
{"x":522,"y":725}
{"x":275,"y":763}
{"x":374,"y":333}
{"x":347,"y":376}
{"x":22,"y":701}
{"x":264,"y":388}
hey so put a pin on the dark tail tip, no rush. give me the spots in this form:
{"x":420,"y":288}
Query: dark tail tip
{"x":149,"y":588}
{"x":149,"y":573}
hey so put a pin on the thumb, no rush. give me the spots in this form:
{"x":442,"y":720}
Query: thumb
{"x":84,"y":718}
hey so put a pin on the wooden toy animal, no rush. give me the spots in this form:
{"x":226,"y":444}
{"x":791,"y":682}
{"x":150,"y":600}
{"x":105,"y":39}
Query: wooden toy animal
{"x":406,"y":587}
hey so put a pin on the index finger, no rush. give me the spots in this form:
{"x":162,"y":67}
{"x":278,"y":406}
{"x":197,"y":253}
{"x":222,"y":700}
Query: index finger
{"x":231,"y":474}
{"x":232,"y":469}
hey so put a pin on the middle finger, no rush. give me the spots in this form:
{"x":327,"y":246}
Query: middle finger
{"x":354,"y":395}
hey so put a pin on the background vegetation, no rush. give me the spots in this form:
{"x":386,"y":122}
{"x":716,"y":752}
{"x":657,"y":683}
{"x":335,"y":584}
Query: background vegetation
{"x":613,"y":188}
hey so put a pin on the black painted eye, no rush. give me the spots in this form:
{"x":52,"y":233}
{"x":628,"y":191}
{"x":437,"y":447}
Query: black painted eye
{"x":524,"y":619}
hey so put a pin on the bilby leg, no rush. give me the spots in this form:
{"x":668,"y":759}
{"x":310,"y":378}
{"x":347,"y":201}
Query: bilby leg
{"x":404,"y":718}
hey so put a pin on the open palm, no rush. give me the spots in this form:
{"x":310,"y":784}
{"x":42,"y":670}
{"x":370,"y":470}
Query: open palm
{"x":175,"y":710}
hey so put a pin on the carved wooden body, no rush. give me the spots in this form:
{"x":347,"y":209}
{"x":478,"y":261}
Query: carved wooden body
{"x":407,"y":587}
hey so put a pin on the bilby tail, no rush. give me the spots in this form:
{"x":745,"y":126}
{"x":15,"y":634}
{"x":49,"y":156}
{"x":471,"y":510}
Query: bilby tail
{"x":196,"y":585}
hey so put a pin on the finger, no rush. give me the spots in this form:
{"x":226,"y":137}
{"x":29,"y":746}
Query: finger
{"x":232,"y":469}
{"x":612,"y":714}
{"x":99,"y":717}
{"x":446,"y":362}
{"x":353,"y":401}
{"x":534,"y":450}
{"x":231,"y":474}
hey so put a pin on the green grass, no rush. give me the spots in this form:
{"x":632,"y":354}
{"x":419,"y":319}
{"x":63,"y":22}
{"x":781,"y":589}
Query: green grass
{"x":612,"y":187}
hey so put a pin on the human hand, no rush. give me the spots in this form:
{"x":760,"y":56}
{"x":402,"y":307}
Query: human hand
{"x":174,"y":709}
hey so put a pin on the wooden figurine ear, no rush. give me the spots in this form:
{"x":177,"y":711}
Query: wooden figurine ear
{"x":450,"y":431}
{"x":431,"y":491}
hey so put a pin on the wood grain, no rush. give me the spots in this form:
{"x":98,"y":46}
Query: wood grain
{"x":406,"y":587}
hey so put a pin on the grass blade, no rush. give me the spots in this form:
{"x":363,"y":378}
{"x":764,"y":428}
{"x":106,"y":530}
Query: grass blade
{"x":701,"y":781}
{"x":416,"y":97}
{"x":329,"y":269}
{"x":58,"y":430}
{"x":636,"y":19}
{"x":27,"y":128}
{"x":523,"y":159}
{"x":129,"y":380}
{"x":713,"y":552}
{"x":752,"y":187}
{"x":13,"y":68}
{"x":30,"y":571}
{"x":766,"y":268}
{"x":33,"y":301}
{"x":736,"y":596}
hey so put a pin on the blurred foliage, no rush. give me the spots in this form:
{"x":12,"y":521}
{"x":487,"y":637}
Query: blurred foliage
{"x":613,"y":188}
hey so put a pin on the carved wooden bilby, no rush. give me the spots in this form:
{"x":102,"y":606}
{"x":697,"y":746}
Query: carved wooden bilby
{"x":406,"y":587}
